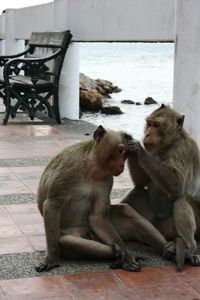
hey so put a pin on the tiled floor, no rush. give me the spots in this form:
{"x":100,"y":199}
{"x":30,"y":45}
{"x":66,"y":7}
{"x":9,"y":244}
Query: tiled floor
{"x":21,"y":230}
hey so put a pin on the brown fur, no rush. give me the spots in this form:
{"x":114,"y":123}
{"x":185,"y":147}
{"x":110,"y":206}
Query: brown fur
{"x":169,"y":170}
{"x":74,"y":200}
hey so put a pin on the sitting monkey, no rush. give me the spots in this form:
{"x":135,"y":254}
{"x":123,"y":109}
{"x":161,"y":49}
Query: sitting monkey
{"x":74,"y":200}
{"x":166,"y":174}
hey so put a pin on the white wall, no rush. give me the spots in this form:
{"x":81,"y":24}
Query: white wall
{"x":187,"y":64}
{"x":122,"y":20}
{"x":99,"y":20}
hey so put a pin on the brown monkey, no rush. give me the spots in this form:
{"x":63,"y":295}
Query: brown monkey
{"x":74,"y":200}
{"x":166,"y":174}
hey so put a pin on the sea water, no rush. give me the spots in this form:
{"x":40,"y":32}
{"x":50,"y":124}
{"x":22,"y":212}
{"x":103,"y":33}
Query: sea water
{"x":141,"y":70}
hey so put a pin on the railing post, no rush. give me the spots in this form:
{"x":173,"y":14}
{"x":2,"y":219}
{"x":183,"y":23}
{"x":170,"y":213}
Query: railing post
{"x":187,"y":64}
{"x":69,"y":84}
{"x":69,"y":80}
{"x":12,"y":46}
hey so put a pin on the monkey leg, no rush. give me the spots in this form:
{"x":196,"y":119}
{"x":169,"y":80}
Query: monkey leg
{"x":131,"y":225}
{"x":78,"y":243}
{"x":137,"y":198}
{"x":185,"y":224}
{"x":51,"y":217}
{"x":166,"y":227}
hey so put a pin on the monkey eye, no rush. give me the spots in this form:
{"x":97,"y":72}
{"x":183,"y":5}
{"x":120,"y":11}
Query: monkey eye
{"x":156,"y":124}
{"x":149,"y":124}
{"x":121,"y":150}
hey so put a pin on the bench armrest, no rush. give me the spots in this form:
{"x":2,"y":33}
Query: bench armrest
{"x":5,"y":58}
{"x":34,"y":67}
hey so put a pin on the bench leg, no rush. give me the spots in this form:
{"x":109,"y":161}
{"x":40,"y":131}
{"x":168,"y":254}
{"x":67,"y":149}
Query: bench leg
{"x":8,"y":108}
{"x":56,"y":108}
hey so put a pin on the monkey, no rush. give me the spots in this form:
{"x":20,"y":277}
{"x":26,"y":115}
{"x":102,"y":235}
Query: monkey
{"x":165,"y":171}
{"x":74,"y":199}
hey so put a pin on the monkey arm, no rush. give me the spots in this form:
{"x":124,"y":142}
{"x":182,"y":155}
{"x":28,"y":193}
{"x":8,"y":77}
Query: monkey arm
{"x":164,"y":174}
{"x":102,"y":227}
{"x":100,"y":224}
{"x":138,"y":174}
{"x":51,"y":215}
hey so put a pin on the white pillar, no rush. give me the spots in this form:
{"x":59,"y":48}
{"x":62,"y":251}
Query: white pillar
{"x":69,"y":80}
{"x":69,"y":84}
{"x":187,"y":64}
{"x":12,"y":46}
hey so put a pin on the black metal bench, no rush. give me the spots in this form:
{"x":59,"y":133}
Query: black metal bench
{"x":30,"y":84}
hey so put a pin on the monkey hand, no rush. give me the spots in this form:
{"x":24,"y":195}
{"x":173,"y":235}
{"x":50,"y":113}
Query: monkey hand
{"x":169,"y":251}
{"x":134,"y":146}
{"x":124,"y":260}
{"x":47,"y":265}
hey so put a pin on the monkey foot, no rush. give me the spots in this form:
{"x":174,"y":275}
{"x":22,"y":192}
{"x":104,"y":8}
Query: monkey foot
{"x":132,"y":267}
{"x":169,"y":250}
{"x":195,"y":259}
{"x":123,"y":260}
{"x":44,"y":267}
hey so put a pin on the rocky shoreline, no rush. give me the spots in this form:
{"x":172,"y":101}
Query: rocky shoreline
{"x":95,"y":94}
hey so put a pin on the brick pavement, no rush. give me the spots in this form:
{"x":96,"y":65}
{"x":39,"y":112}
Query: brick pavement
{"x":21,"y":230}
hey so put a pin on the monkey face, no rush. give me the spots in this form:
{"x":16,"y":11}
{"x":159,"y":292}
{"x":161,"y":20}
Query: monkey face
{"x":163,"y":128}
{"x":111,"y":148}
{"x":116,"y":161}
{"x":153,"y":133}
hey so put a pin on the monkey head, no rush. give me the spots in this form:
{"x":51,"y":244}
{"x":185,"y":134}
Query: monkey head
{"x":163,"y":127}
{"x":111,"y":149}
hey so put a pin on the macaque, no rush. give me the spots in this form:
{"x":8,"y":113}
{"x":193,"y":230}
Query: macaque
{"x":166,"y":175}
{"x":74,"y":200}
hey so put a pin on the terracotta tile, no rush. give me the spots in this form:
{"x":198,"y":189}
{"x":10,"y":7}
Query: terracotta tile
{"x":15,"y":245}
{"x":149,"y":277}
{"x":38,"y":242}
{"x":32,"y":229}
{"x":27,"y":173}
{"x":190,"y":275}
{"x":65,"y":297}
{"x":6,"y":219}
{"x":117,"y":294}
{"x":32,"y":185}
{"x":5,"y":171}
{"x":9,"y":231}
{"x":35,"y":148}
{"x":3,"y":210}
{"x":21,"y":130}
{"x":28,"y":218}
{"x":44,"y":286}
{"x":196,"y":288}
{"x":19,"y":297}
{"x":22,"y":208}
{"x":10,"y":184}
{"x":2,"y":296}
{"x":167,"y":292}
{"x":48,"y":130}
{"x":91,"y":283}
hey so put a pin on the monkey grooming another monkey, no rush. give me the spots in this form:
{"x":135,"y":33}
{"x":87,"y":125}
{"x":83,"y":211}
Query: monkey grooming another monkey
{"x":166,"y":174}
{"x":74,"y":200}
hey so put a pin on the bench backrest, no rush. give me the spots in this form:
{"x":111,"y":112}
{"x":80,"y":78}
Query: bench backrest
{"x":42,"y":44}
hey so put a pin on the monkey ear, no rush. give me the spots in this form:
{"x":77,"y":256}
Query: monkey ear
{"x":99,"y":133}
{"x":180,"y":120}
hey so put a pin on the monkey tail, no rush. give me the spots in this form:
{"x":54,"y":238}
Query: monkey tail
{"x":181,"y":250}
